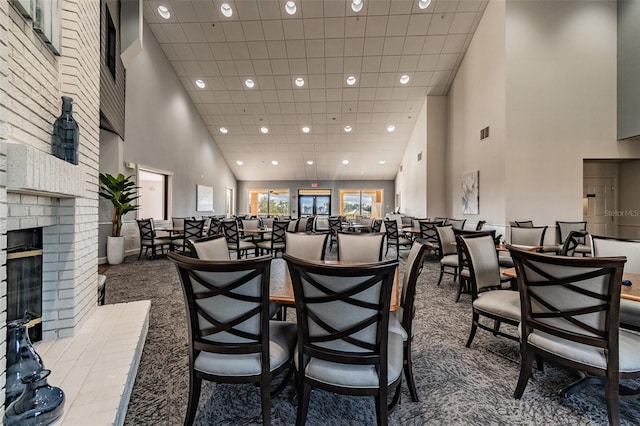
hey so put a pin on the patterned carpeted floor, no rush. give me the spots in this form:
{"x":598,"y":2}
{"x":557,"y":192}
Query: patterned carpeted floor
{"x":456,"y":385}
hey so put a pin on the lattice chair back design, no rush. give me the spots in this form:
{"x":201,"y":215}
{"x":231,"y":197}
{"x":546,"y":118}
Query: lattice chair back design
{"x":344,"y":344}
{"x":429,"y":234}
{"x":394,"y":238}
{"x":148,"y":240}
{"x":192,"y":231}
{"x":231,"y":339}
{"x":335,"y":226}
{"x":278,"y":241}
{"x":306,"y":246}
{"x":570,"y":315}
{"x":215,"y":227}
{"x":234,"y":242}
{"x":361,"y":246}
{"x":572,"y":242}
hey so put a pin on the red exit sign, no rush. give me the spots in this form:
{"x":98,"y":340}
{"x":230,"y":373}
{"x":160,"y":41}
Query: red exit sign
{"x":314,"y":185}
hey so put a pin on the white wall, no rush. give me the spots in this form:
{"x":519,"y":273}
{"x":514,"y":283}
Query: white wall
{"x":477,"y":100}
{"x":436,"y":155}
{"x":411,"y":182}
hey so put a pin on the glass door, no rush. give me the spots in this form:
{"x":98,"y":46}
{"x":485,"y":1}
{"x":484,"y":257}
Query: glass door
{"x":314,"y":202}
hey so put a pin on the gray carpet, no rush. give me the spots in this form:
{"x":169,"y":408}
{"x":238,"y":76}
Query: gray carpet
{"x":456,"y":385}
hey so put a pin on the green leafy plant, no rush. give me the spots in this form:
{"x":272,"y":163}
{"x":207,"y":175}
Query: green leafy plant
{"x":121,"y":191}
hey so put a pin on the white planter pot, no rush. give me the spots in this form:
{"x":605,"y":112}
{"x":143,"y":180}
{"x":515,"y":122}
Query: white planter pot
{"x":115,"y":250}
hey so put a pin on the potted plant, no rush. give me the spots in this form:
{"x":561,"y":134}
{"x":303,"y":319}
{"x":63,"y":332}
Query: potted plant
{"x":121,"y":191}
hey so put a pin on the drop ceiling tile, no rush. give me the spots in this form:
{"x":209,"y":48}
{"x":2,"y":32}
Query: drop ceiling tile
{"x":379,"y":7}
{"x":213,"y":32}
{"x":175,"y":33}
{"x":289,"y":119}
{"x":383,"y":93}
{"x":368,"y":79}
{"x":169,"y":52}
{"x":446,"y":6}
{"x":221,"y":51}
{"x":257,"y":108}
{"x":252,"y":30}
{"x":353,"y":46}
{"x":269,"y":9}
{"x":433,"y":45}
{"x":421,"y":78}
{"x":316,"y":81}
{"x":462,"y":23}
{"x":386,"y":79}
{"x":447,"y":61}
{"x":184,"y":11}
{"x":246,"y":10}
{"x":202,"y":51}
{"x":313,"y":28}
{"x":318,"y":96}
{"x":376,"y":26}
{"x":232,"y":31}
{"x":355,"y":26}
{"x":334,"y":47}
{"x":298,"y":66}
{"x":352,"y":65}
{"x":397,"y":25}
{"x":334,"y":27}
{"x":216,"y":84}
{"x":454,"y":43}
{"x":408,"y":64}
{"x":367,"y":94}
{"x":244,"y":67}
{"x":400,"y":7}
{"x":265,"y":82}
{"x":204,"y":11}
{"x":269,"y":96}
{"x":314,"y":48}
{"x":258,"y":50}
{"x":334,"y":65}
{"x":293,"y":29}
{"x":272,"y":107}
{"x":417,"y":93}
{"x":316,"y":65}
{"x":440,"y":24}
{"x":419,"y":25}
{"x":373,"y":46}
{"x":288,"y":108}
{"x":371,"y":63}
{"x":312,"y":8}
{"x":440,"y":78}
{"x":303,"y":107}
{"x":283,"y":82}
{"x":192,"y":68}
{"x":401,"y":93}
{"x":285,"y":96}
{"x":295,"y":48}
{"x":280,"y":66}
{"x":334,"y":95}
{"x":428,"y":62}
{"x":239,"y":50}
{"x":227,"y":68}
{"x":393,"y":45}
{"x":158,"y":32}
{"x":334,"y":81}
{"x":390,"y":64}
{"x":364,"y":106}
{"x":273,"y":30}
{"x":261,"y":67}
{"x":277,"y":49}
{"x":253,"y":96}
{"x":194,"y":33}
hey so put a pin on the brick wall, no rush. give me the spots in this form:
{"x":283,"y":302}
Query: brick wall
{"x":33,"y":81}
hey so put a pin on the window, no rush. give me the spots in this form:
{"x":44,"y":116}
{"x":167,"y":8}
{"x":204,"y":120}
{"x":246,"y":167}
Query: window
{"x":269,"y":202}
{"x":46,"y":20}
{"x":360,"y":202}
{"x":110,"y":50}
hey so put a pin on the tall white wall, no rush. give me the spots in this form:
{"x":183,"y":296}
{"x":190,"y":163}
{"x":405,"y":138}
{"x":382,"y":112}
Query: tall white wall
{"x":477,"y":100}
{"x":436,"y":155}
{"x":411,"y":182}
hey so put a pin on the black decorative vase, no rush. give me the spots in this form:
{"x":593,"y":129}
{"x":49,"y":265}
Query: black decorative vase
{"x":65,"y":134}
{"x":39,"y":404}
{"x":22,"y":359}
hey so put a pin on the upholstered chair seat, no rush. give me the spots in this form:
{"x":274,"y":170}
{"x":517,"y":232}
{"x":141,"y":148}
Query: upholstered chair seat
{"x":505,"y":303}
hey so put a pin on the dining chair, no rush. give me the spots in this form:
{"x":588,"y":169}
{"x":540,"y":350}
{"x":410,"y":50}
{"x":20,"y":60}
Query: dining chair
{"x":335,"y":226}
{"x":441,"y":220}
{"x":302,"y":224}
{"x":570,"y":315}
{"x":148,"y":240}
{"x":215,"y":227}
{"x":376,"y":225}
{"x":429,"y":234}
{"x":480,"y":224}
{"x":360,"y":246}
{"x":401,"y":320}
{"x":212,"y":247}
{"x":457,"y":223}
{"x":447,"y":252}
{"x":309,"y":224}
{"x":524,"y":223}
{"x":234,"y":242}
{"x":489,"y":300}
{"x":571,"y":243}
{"x":293,"y":225}
{"x":565,"y":228}
{"x":278,"y":241}
{"x":464,"y":274}
{"x":609,"y":246}
{"x":231,"y":339}
{"x":306,"y":246}
{"x":344,"y":344}
{"x":525,"y":236}
{"x":192,"y":230}
{"x":394,"y":238}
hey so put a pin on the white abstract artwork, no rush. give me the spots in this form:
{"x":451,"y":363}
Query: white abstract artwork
{"x":470,"y":192}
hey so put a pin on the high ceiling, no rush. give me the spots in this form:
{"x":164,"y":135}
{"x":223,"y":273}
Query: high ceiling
{"x":323,"y":43}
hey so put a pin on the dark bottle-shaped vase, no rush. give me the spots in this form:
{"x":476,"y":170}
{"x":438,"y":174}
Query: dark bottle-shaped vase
{"x":38,"y":405}
{"x":22,"y":359}
{"x":65,"y":134}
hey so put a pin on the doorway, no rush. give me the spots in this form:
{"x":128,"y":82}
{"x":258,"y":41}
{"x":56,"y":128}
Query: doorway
{"x":228,"y":203}
{"x":314,"y":202}
{"x":599,"y":205}
{"x":154,"y":190}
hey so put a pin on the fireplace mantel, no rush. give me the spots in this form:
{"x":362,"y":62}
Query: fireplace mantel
{"x":31,"y":171}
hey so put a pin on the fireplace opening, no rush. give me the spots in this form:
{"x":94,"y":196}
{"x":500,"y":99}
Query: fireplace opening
{"x":24,"y":278}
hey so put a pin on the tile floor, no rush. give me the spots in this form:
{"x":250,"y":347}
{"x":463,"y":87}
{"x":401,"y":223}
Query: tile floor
{"x":97,"y":367}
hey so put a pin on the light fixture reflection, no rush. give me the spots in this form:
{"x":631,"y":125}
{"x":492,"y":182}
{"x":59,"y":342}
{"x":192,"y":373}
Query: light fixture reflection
{"x":264,"y":130}
{"x":391,"y":128}
{"x":423,"y":4}
{"x":223,"y":130}
{"x":351,"y":80}
{"x":404,"y":79}
{"x":164,"y":12}
{"x":290,"y":7}
{"x":226,"y":10}
{"x":249,"y":83}
{"x":356,"y":5}
{"x":239,"y":163}
{"x":310,"y":162}
{"x":299,"y":81}
{"x":345,"y":162}
{"x":200,"y":84}
{"x":306,"y":129}
{"x":348,"y":129}
{"x":274,"y":162}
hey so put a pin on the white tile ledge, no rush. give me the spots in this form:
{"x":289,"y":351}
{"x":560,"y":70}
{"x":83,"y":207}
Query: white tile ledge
{"x":97,"y":367}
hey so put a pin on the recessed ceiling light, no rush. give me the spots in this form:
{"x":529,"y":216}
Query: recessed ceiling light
{"x":274,"y":162}
{"x":404,"y":79}
{"x":310,"y":162}
{"x":345,"y":162}
{"x":348,"y":129}
{"x":391,"y":128}
{"x":351,"y":80}
{"x":299,"y":81}
{"x":164,"y":12}
{"x":290,"y":7}
{"x":382,"y":161}
{"x":239,"y":163}
{"x":356,"y":5}
{"x":249,"y":83}
{"x":223,"y":130}
{"x":306,"y":129}
{"x":200,"y":84}
{"x":423,"y":4}
{"x":226,"y":10}
{"x":264,"y":130}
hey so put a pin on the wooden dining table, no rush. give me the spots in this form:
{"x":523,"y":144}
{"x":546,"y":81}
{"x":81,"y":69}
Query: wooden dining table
{"x":630,"y":292}
{"x":281,"y":288}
